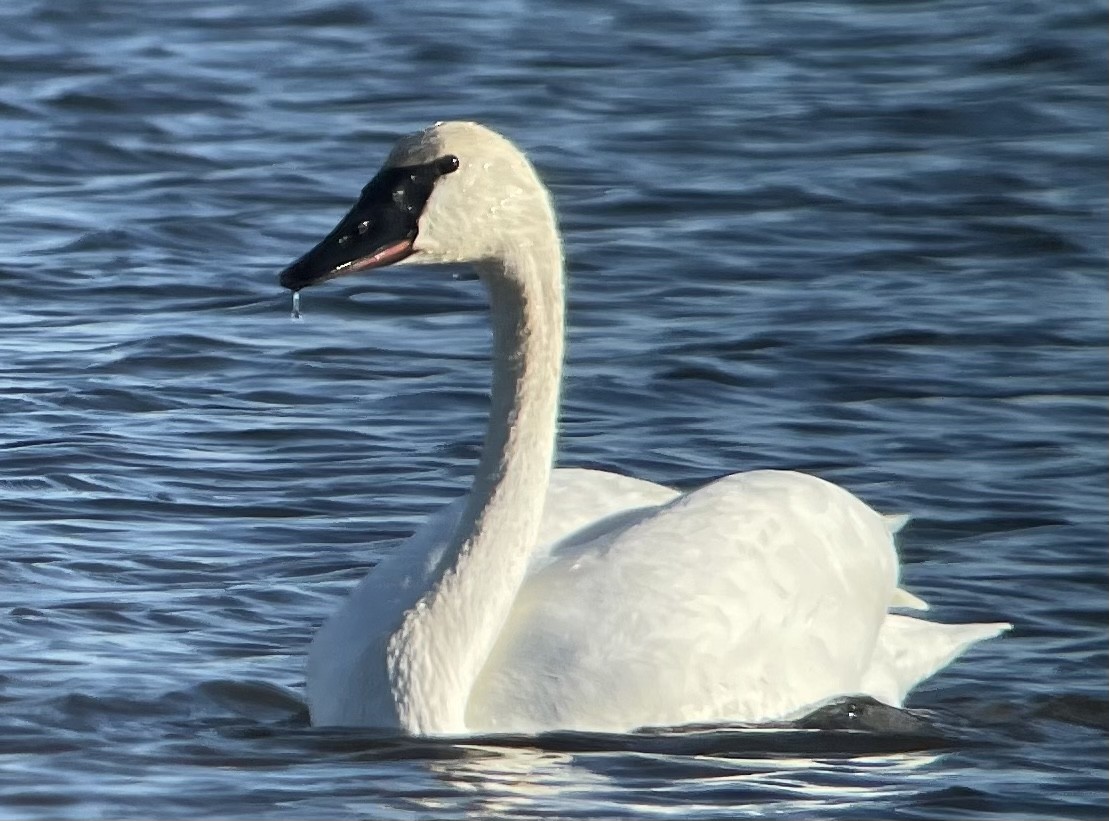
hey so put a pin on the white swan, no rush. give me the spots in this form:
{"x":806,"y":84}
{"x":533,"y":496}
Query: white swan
{"x":578,"y":599}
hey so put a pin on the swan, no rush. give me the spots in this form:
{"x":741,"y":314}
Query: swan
{"x":578,"y":599}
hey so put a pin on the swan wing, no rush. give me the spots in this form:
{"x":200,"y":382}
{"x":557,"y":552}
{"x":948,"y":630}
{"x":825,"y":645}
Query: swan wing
{"x":745,"y":600}
{"x":583,"y":504}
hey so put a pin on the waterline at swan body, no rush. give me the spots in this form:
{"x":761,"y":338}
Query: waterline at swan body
{"x":573,"y":599}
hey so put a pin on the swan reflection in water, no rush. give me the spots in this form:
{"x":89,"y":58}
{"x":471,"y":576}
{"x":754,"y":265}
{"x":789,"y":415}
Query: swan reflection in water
{"x":577,"y":599}
{"x":697,"y":769}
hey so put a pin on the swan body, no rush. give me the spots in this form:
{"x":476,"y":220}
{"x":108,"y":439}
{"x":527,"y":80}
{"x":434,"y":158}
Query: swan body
{"x":579,"y":599}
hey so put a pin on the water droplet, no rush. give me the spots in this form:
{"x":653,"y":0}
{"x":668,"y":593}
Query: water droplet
{"x":296,"y":305}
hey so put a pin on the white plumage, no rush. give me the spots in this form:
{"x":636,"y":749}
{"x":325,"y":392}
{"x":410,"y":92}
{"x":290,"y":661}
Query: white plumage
{"x":578,"y":599}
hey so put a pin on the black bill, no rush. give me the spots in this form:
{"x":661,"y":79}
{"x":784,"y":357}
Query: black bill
{"x":379,"y":230}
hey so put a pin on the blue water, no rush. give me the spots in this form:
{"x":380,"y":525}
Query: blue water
{"x":861,"y":239}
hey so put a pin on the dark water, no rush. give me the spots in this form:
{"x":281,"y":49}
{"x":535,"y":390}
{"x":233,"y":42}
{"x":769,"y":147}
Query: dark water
{"x":861,"y":239}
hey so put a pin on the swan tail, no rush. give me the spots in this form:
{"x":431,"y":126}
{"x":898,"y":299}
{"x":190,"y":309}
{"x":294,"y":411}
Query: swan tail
{"x":896,"y":521}
{"x":910,"y":650}
{"x":903,"y":598}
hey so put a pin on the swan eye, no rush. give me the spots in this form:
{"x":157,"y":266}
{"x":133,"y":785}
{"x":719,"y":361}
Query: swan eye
{"x":446,"y":165}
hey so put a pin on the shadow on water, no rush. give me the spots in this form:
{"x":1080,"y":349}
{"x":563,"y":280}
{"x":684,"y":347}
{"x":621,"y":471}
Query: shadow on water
{"x":847,"y":758}
{"x":846,"y":727}
{"x":840,"y":759}
{"x":260,"y":721}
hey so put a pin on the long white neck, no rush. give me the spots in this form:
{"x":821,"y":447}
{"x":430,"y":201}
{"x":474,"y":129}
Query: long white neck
{"x":443,"y":642}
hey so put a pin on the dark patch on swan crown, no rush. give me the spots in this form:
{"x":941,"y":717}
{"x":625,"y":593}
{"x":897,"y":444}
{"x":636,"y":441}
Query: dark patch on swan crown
{"x":379,"y":230}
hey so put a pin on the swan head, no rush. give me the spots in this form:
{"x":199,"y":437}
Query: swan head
{"x":454,"y":192}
